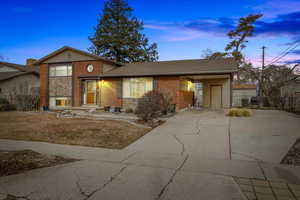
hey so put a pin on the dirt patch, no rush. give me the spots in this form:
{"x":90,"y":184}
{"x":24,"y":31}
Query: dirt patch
{"x":46,"y":127}
{"x":293,"y":155}
{"x":14,"y":162}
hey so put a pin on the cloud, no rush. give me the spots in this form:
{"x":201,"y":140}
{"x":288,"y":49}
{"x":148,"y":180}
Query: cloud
{"x":273,"y":8}
{"x":21,"y":9}
{"x":291,"y":61}
{"x":282,"y":25}
{"x":287,"y":24}
{"x":188,"y":30}
{"x":297,"y":52}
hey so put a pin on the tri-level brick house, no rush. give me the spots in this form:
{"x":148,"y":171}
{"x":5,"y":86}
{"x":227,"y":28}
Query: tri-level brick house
{"x":73,"y":78}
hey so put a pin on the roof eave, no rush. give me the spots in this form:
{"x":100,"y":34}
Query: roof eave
{"x":161,"y":74}
{"x":20,"y":74}
{"x":41,"y":60}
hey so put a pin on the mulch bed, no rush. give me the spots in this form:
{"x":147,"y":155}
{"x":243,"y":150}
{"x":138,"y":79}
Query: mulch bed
{"x":14,"y":162}
{"x":293,"y":155}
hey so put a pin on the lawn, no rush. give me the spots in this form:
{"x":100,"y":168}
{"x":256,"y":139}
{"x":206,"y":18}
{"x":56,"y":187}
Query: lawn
{"x":46,"y":127}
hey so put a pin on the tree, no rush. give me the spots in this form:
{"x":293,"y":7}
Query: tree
{"x":239,"y":36}
{"x":118,"y":35}
{"x":212,"y":55}
{"x":274,"y":77}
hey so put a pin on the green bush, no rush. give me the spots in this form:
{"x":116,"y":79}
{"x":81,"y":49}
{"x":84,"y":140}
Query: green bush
{"x":3,"y":101}
{"x":7,"y":107}
{"x":235,"y":112}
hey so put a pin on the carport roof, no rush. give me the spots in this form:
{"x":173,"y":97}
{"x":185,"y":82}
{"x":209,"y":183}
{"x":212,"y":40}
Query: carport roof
{"x":176,"y":67}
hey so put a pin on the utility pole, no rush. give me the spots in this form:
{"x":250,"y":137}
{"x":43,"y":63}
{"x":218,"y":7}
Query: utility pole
{"x":261,"y":74}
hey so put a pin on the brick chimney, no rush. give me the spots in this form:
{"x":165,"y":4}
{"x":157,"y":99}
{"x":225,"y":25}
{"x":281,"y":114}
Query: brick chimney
{"x":30,"y":61}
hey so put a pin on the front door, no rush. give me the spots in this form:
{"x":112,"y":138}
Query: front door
{"x":90,"y":92}
{"x":216,"y":96}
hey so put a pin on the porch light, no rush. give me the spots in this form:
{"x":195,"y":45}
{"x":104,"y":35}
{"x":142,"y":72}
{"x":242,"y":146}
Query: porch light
{"x":190,"y":85}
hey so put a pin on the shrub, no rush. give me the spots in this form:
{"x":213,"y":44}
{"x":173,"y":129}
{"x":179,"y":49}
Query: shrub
{"x":234,"y":112}
{"x":167,"y":103}
{"x":26,"y":102}
{"x":3,"y":101}
{"x":129,"y":110}
{"x":150,"y":106}
{"x":7,"y":107}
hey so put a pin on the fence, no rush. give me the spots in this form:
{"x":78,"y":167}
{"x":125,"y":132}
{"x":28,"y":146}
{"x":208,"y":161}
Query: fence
{"x":290,"y":104}
{"x":239,"y":100}
{"x":24,"y":102}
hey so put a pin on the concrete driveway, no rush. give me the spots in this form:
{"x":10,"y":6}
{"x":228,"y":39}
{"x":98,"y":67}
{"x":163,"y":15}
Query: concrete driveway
{"x":186,"y":158}
{"x":266,"y":136}
{"x":199,"y":133}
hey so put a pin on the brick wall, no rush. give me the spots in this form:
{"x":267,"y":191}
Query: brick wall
{"x":44,"y":85}
{"x":171,"y":86}
{"x":79,"y":69}
{"x":185,"y":99}
{"x":110,"y":94}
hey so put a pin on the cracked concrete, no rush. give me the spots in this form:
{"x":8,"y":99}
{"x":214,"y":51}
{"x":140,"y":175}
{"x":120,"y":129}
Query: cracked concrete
{"x":266,"y":136}
{"x":163,"y":190}
{"x":187,"y":158}
{"x":89,"y":195}
{"x":193,"y":133}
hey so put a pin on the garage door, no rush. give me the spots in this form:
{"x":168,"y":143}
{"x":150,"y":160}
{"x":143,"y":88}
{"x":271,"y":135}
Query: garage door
{"x":216,"y":96}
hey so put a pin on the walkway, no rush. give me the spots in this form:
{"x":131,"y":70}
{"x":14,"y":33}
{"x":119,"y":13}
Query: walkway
{"x":199,"y":133}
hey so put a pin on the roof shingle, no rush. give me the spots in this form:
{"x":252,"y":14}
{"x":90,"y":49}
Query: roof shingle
{"x":177,"y":67}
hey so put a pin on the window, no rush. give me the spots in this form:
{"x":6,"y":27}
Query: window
{"x":60,"y":101}
{"x":136,"y":87}
{"x":61,"y":70}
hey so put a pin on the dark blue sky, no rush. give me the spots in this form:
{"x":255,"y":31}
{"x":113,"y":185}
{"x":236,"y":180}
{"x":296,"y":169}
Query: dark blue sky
{"x":182,"y":29}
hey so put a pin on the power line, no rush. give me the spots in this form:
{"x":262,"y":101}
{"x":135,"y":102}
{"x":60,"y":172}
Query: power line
{"x":284,"y":53}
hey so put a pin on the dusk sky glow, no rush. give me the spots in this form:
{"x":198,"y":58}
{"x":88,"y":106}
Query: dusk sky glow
{"x":182,"y":29}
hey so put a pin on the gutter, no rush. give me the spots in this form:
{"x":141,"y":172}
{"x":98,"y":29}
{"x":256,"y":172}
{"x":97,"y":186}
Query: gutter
{"x":162,"y":74}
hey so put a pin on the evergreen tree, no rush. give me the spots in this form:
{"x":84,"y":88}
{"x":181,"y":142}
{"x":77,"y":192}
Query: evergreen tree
{"x":118,"y":35}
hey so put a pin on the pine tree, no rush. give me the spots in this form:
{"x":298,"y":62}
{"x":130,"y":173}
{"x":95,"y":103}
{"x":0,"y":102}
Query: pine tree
{"x":118,"y":35}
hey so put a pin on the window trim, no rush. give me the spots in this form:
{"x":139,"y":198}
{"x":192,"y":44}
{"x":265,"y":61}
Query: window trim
{"x":69,"y":68}
{"x":55,"y":106}
{"x":130,"y":81}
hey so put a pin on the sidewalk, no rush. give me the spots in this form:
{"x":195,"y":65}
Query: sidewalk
{"x":142,"y":175}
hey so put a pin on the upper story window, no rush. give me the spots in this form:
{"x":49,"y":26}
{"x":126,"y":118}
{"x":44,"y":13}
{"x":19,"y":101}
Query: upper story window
{"x":60,"y":70}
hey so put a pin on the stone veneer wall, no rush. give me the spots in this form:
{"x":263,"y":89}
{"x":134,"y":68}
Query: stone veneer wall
{"x":130,"y":103}
{"x":60,"y":86}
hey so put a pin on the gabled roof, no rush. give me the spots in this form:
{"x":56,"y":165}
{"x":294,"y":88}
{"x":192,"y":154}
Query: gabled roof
{"x":14,"y":66}
{"x":9,"y":75}
{"x":22,"y":70}
{"x":176,"y":67}
{"x":65,"y":48}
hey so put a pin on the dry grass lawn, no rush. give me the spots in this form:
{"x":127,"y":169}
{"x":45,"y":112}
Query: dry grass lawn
{"x":46,"y":127}
{"x":14,"y":162}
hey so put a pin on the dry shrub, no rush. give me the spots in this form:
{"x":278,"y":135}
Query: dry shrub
{"x":235,"y":112}
{"x":7,"y":107}
{"x":150,"y":106}
{"x":128,"y":110}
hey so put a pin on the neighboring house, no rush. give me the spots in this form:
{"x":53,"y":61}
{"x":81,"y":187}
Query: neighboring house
{"x":71,"y":77}
{"x":291,"y":93}
{"x":292,"y":88}
{"x":243,"y":91}
{"x":18,"y":79}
